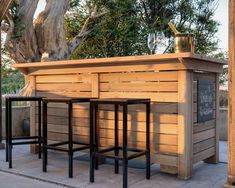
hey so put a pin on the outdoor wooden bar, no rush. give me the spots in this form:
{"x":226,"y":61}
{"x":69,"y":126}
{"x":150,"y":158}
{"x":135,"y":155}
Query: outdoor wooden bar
{"x":171,"y":81}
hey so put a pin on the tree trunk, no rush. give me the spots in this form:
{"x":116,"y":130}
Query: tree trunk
{"x":28,"y":42}
{"x":24,"y":48}
{"x":50,"y":30}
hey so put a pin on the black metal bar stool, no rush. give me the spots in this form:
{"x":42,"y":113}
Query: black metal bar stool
{"x":57,"y":146}
{"x":94,"y":150}
{"x":22,"y":140}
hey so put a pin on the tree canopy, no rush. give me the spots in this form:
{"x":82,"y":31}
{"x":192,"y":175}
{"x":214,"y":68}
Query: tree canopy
{"x":123,"y":31}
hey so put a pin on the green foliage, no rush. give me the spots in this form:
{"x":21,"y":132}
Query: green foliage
{"x":123,"y":31}
{"x":12,"y":80}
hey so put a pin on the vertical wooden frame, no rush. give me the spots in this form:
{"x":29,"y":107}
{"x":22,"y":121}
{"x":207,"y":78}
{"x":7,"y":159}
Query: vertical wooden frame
{"x":95,"y":86}
{"x":33,"y":130}
{"x":185,"y":124}
{"x":231,"y":98}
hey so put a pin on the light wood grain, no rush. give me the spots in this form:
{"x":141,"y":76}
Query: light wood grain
{"x":231,"y":95}
{"x":185,"y":123}
{"x":204,"y":155}
{"x":140,"y":86}
{"x":205,"y":144}
{"x":155,"y":97}
{"x":64,"y":78}
{"x":168,"y":169}
{"x":198,"y":137}
{"x":169,"y":76}
{"x":33,"y":126}
{"x":121,"y":60}
{"x":66,"y":87}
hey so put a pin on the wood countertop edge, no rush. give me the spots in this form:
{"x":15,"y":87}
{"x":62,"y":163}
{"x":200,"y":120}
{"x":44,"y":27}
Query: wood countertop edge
{"x":118,"y":60}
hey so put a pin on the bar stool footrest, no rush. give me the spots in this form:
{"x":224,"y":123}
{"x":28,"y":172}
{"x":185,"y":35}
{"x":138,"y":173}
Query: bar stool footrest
{"x":56,"y":146}
{"x":25,"y":137}
{"x":24,"y":143}
{"x":138,"y":153}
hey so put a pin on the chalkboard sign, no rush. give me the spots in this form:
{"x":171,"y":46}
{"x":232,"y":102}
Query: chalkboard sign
{"x":205,"y":92}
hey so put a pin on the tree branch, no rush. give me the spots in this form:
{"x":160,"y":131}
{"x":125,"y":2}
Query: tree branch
{"x":85,"y":31}
{"x":10,"y":30}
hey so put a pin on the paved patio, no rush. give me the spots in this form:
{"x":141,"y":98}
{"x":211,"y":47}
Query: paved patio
{"x":27,"y":173}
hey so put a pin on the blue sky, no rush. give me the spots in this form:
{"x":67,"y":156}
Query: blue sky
{"x":221,"y":15}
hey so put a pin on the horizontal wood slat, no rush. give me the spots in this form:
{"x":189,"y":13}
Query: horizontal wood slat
{"x":58,"y":94}
{"x":155,"y":146}
{"x":63,"y":78}
{"x":140,"y":87}
{"x":204,"y":155}
{"x":140,"y":76}
{"x":168,"y":108}
{"x":200,"y":146}
{"x":198,"y":127}
{"x":155,"y":97}
{"x":83,"y":123}
{"x":132,"y":116}
{"x":198,"y":137}
{"x":64,"y":87}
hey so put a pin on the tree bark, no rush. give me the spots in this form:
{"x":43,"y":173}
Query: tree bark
{"x":50,"y":30}
{"x":28,"y":42}
{"x":23,"y":49}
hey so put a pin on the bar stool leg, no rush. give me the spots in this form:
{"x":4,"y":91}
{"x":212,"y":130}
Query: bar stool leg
{"x":147,"y":141}
{"x":70,"y":139}
{"x":96,"y":119}
{"x":116,"y":151}
{"x":39,"y":130}
{"x":125,"y":161}
{"x":10,"y":135}
{"x":7,"y":124}
{"x":92,"y":163}
{"x":44,"y":149}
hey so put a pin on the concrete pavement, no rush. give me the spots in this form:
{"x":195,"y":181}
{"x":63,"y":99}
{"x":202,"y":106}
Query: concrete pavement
{"x":27,"y":173}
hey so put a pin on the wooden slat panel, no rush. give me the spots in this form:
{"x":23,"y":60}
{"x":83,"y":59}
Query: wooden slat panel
{"x":198,"y":137}
{"x":132,"y":116}
{"x":68,"y":87}
{"x":141,"y":86}
{"x":140,"y":76}
{"x":132,"y":136}
{"x":198,"y":127}
{"x":168,"y":169}
{"x":204,"y":155}
{"x":155,"y":97}
{"x":155,"y":147}
{"x":83,"y":123}
{"x":166,"y":159}
{"x":200,"y":146}
{"x":63,"y":78}
{"x":63,"y":94}
{"x":167,"y":108}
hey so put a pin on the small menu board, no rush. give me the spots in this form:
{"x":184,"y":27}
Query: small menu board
{"x":205,"y":93}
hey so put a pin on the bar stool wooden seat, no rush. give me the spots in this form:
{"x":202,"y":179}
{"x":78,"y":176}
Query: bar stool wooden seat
{"x":94,"y":140}
{"x":70,"y":149}
{"x":21,"y":140}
